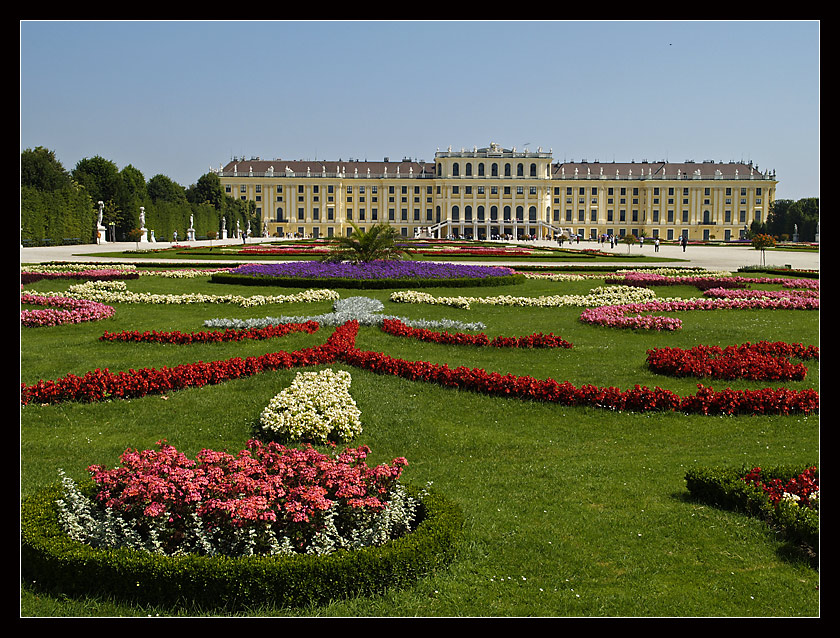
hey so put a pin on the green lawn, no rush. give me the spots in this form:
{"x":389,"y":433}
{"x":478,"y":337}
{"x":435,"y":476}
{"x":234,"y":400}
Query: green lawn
{"x":571,"y":512}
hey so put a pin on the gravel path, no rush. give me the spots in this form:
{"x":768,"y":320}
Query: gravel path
{"x":713,"y":257}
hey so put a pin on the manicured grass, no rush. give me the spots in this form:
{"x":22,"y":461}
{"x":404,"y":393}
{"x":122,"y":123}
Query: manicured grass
{"x":570,"y":511}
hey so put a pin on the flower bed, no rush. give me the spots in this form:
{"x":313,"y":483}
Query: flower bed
{"x":61,"y":310}
{"x":785,"y":497}
{"x":600,"y":296}
{"x":802,"y":489}
{"x":267,"y":499}
{"x":763,"y":361}
{"x":99,"y":385}
{"x":616,"y":316}
{"x":374,"y":274}
{"x":365,"y":310}
{"x":211,"y":336}
{"x":116,"y":292}
{"x":538,"y":340}
{"x":92,"y":274}
{"x":50,"y":557}
{"x":317,"y":406}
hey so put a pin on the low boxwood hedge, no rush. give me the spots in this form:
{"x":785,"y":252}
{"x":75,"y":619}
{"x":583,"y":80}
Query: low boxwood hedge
{"x":50,"y":560}
{"x":338,"y":282}
{"x":724,"y":488}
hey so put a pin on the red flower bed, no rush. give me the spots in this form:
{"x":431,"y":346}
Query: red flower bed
{"x":801,"y":487}
{"x":762,"y":361}
{"x":211,"y":336}
{"x":706,"y":401}
{"x":538,"y":340}
{"x":103,"y":384}
{"x":340,"y":346}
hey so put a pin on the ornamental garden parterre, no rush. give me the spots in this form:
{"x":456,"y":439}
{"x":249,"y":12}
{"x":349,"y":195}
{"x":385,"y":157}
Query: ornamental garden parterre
{"x":281,"y":497}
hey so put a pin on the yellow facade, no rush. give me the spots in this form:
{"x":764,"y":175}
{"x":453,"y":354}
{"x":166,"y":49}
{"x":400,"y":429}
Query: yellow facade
{"x":495,"y":192}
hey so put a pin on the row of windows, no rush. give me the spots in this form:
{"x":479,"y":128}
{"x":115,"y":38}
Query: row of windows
{"x":494,"y":169}
{"x":330,"y":189}
{"x":508,"y":214}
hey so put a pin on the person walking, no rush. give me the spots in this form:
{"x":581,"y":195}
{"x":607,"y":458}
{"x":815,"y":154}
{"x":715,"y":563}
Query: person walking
{"x":656,"y":245}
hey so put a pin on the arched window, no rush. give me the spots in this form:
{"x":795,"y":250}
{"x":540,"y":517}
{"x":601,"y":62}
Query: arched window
{"x":506,"y":211}
{"x":532,"y":214}
{"x":481,"y":169}
{"x":467,"y":213}
{"x":494,"y":213}
{"x":519,"y":211}
{"x":479,"y":212}
{"x":456,"y":215}
{"x":468,"y":169}
{"x":520,"y":170}
{"x":456,"y":171}
{"x":507,"y":170}
{"x":533,"y":170}
{"x":494,"y":170}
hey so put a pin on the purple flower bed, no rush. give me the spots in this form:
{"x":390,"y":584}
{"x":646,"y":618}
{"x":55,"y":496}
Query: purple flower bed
{"x":373,"y":270}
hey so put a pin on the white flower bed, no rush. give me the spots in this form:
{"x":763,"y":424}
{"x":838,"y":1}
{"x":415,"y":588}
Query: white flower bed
{"x":316,"y":406}
{"x":116,"y":292}
{"x":57,"y":268}
{"x":600,"y":296}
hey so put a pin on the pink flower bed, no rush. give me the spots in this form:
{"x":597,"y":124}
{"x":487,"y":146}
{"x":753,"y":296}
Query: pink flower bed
{"x":61,"y":310}
{"x":287,"y":489}
{"x":618,"y":316}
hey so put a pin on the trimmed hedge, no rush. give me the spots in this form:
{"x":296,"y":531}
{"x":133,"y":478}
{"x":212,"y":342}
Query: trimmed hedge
{"x":723,"y":488}
{"x":51,"y":560}
{"x":339,"y":282}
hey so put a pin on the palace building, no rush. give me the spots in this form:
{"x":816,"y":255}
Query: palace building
{"x":497,"y":192}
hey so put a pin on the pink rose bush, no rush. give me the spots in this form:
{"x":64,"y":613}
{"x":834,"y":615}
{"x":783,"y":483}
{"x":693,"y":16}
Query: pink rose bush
{"x":267,"y":499}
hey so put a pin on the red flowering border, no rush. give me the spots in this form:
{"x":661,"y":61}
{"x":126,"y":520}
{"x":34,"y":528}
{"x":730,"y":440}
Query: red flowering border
{"x":801,"y":486}
{"x":537,"y":340}
{"x":762,"y":361}
{"x":210,"y":336}
{"x":340,"y":346}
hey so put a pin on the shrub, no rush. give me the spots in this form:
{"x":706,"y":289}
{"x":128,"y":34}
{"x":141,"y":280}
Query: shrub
{"x":50,"y":559}
{"x":745,"y":490}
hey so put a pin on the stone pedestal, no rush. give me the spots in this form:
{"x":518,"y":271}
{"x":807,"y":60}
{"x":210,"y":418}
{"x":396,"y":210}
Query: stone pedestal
{"x":144,"y":236}
{"x":190,"y":234}
{"x":101,"y":235}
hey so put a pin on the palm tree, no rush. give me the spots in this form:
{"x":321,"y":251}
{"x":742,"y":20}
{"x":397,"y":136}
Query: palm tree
{"x":378,"y":242}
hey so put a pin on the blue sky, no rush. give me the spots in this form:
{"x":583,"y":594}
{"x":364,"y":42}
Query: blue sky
{"x":177,"y":98}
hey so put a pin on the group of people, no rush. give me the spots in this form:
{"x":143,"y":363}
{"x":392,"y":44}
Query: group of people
{"x":613,"y":240}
